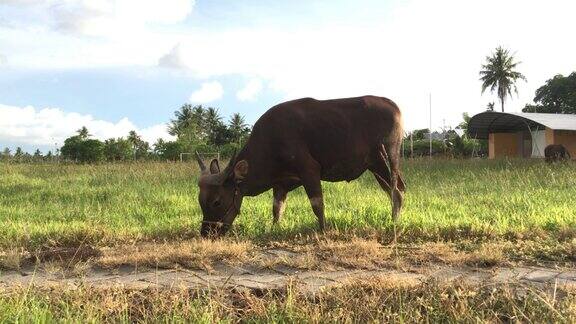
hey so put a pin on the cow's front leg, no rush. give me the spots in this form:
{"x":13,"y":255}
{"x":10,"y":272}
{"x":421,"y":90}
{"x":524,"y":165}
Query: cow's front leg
{"x":313,"y":188}
{"x":309,"y":174}
{"x":279,"y":203}
{"x":317,"y":203}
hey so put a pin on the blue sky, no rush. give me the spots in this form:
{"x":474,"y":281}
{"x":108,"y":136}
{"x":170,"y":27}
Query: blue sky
{"x":117,"y":65}
{"x":145,"y":95}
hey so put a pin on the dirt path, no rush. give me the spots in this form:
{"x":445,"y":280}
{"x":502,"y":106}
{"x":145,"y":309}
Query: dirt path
{"x":275,"y":276}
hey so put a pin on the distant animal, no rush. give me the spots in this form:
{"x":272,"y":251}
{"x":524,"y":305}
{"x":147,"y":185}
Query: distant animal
{"x":556,"y":152}
{"x":299,"y":143}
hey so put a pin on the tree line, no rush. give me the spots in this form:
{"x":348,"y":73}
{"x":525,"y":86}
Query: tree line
{"x":20,"y":156}
{"x":196,"y":128}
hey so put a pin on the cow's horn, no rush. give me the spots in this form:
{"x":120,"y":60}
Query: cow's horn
{"x":232,"y":158}
{"x":200,"y":163}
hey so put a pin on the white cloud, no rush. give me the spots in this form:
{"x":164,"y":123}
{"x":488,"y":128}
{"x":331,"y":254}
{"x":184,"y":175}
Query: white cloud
{"x":425,"y":47}
{"x":173,"y":59}
{"x":208,"y":92}
{"x":48,"y":126}
{"x":22,"y":2}
{"x":153,"y":133}
{"x":102,"y":18}
{"x":112,"y":17}
{"x":419,"y":47}
{"x":250,"y":90}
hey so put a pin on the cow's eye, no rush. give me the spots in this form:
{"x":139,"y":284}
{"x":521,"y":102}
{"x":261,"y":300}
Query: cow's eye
{"x":216,"y":203}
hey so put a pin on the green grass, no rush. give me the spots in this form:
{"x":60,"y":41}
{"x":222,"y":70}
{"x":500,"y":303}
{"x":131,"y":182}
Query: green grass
{"x":45,"y":205}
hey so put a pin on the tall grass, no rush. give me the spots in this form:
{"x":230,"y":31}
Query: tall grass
{"x":115,"y":203}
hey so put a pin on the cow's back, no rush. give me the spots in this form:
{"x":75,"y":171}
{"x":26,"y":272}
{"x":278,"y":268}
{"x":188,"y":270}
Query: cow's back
{"x":338,"y":133}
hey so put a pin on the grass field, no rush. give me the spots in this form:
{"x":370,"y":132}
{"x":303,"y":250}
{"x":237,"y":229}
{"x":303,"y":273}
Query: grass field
{"x":66,"y":205}
{"x":463,"y":212}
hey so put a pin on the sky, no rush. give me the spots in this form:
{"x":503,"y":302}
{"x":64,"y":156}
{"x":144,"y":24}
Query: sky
{"x":120,"y":65}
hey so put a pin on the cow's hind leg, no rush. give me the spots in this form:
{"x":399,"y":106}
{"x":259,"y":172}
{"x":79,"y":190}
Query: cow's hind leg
{"x":279,"y":202}
{"x":381,"y":172}
{"x":390,"y":181}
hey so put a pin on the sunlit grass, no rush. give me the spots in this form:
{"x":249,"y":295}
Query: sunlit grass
{"x":116,"y":203}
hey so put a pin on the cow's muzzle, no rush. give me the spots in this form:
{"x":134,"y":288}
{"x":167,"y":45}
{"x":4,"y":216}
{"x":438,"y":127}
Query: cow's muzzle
{"x":213,"y":230}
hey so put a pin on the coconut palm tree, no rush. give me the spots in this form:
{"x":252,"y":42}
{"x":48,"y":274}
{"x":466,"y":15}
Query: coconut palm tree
{"x":83,"y":133}
{"x":214,"y":126}
{"x":184,"y":117}
{"x":499,"y":73}
{"x":238,"y":128}
{"x":140,"y":146}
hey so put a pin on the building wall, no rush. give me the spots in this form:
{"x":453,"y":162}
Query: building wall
{"x":566,"y":138}
{"x":503,"y":145}
{"x":512,"y":144}
{"x":549,"y":136}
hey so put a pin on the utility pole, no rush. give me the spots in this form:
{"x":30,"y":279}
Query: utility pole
{"x":430,"y":131}
{"x":412,"y":144}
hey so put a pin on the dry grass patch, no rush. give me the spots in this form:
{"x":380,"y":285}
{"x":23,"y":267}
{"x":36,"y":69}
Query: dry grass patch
{"x":488,"y":255}
{"x":200,"y":254}
{"x":329,"y":253}
{"x":434,"y":252}
{"x":355,"y":253}
{"x":11,"y":259}
{"x":485,"y":255}
{"x":543,"y":251}
{"x":379,"y":299}
{"x":326,"y":253}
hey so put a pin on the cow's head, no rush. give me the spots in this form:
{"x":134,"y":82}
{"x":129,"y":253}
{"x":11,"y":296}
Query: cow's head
{"x":219,"y":196}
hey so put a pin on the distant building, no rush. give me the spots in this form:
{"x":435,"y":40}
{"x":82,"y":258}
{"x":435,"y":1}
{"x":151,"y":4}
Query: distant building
{"x":436,"y":136}
{"x":523,"y":134}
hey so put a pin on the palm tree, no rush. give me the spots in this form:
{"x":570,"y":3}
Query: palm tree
{"x":139,"y":146}
{"x":198,"y":113}
{"x":212,"y":117}
{"x":189,"y":123}
{"x":499,"y":74}
{"x":214,"y":125}
{"x":83,"y":132}
{"x":184,"y":118}
{"x":238,"y":128}
{"x":464,"y":124}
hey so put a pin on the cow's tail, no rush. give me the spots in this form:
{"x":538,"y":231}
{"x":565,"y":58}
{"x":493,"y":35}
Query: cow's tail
{"x":393,"y":145}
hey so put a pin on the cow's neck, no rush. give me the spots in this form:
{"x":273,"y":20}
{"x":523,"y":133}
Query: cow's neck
{"x":256,"y":181}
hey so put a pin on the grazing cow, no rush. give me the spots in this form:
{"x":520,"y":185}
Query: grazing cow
{"x":300,"y":143}
{"x":556,"y":152}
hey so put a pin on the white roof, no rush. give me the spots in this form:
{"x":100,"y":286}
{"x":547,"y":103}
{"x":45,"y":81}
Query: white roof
{"x":482,"y":124}
{"x":553,"y":121}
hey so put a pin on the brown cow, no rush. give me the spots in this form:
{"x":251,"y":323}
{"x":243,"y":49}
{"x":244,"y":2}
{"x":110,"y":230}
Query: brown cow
{"x":556,"y":152}
{"x":300,"y":143}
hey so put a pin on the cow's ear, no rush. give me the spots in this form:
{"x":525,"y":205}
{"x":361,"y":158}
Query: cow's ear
{"x":214,"y":167}
{"x":240,"y":169}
